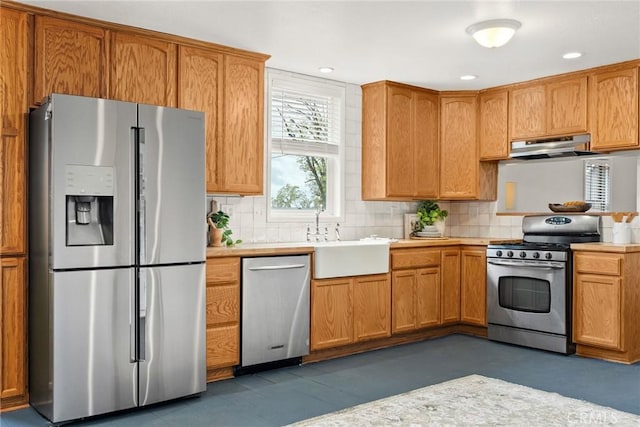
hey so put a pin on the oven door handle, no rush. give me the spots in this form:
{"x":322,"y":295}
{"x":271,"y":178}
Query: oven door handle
{"x":538,"y":265}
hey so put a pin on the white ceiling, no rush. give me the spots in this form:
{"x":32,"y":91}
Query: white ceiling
{"x":423,"y":43}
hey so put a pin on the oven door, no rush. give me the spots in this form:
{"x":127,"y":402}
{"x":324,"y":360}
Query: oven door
{"x":527,"y":294}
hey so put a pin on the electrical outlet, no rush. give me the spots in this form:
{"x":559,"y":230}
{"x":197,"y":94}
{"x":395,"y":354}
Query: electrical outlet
{"x":228,"y":209}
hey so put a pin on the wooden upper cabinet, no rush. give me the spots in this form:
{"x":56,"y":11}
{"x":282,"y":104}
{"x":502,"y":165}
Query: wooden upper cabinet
{"x":462,"y":176}
{"x":557,"y":107}
{"x":200,"y":88}
{"x":493,"y":138}
{"x":527,"y":115}
{"x":70,"y":58}
{"x":425,"y":149}
{"x":567,"y":106}
{"x":400,"y":170}
{"x":241,"y":152}
{"x":143,"y":69}
{"x":14,"y":91}
{"x":399,"y":142}
{"x":613,"y":101}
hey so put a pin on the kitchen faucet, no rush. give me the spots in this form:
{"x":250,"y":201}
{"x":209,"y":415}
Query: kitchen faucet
{"x":319,"y":209}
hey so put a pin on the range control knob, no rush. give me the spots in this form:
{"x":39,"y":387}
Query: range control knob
{"x":548,"y":255}
{"x":536,"y":255}
{"x":498,"y":253}
{"x":509,"y":254}
{"x":523,"y":254}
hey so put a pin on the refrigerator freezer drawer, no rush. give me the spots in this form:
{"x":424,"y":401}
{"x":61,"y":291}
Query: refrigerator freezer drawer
{"x":173,"y":319}
{"x":92,"y":326}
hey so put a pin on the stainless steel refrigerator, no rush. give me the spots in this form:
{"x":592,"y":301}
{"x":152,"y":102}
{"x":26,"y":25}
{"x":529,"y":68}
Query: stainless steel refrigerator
{"x":116,"y":256}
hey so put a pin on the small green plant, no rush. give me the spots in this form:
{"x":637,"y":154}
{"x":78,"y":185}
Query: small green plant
{"x":428,"y":214}
{"x":220,"y":220}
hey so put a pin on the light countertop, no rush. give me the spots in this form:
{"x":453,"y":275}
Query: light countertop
{"x":606,"y":247}
{"x":285,"y":248}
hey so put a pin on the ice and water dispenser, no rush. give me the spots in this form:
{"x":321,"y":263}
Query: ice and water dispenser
{"x":89,"y":205}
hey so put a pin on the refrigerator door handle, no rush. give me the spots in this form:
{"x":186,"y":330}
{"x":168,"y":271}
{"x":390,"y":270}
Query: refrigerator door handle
{"x":141,"y":184}
{"x":133,"y":323}
{"x":142,"y":314}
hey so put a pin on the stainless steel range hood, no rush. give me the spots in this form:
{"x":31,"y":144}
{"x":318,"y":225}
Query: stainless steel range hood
{"x":577,"y":145}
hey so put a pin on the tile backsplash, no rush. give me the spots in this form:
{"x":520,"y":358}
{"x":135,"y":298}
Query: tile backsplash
{"x":248,"y":215}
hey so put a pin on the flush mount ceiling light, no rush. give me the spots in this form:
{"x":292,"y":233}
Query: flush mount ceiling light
{"x":495,"y":32}
{"x":572,"y":55}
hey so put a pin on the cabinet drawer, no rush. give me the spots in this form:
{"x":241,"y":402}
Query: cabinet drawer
{"x":598,"y":263}
{"x":223,"y":304}
{"x":223,"y":270}
{"x":414,"y":258}
{"x":223,"y":346}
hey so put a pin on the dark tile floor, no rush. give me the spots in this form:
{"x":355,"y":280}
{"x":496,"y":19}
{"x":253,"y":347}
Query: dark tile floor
{"x":278,"y":397}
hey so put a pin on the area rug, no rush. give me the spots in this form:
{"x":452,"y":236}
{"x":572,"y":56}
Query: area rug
{"x":475,"y":401}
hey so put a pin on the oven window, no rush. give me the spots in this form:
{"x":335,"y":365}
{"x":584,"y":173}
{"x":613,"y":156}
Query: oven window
{"x":524,"y":294}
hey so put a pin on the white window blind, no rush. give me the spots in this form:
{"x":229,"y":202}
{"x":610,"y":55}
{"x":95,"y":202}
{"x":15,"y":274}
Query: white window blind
{"x":597,"y":184}
{"x":306,"y":134}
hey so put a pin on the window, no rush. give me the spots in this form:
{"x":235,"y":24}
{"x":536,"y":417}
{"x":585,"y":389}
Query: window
{"x":597,"y":184}
{"x":306,"y":134}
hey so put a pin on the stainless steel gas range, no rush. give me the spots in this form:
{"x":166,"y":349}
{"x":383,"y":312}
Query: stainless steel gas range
{"x":529,"y":285}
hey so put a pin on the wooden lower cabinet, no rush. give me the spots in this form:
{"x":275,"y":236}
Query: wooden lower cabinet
{"x":349,"y":309}
{"x":223,"y":316}
{"x":450,"y":294}
{"x":371,"y":307}
{"x":13,"y":388}
{"x":425,"y":288}
{"x":473,"y":272}
{"x":606,"y":301}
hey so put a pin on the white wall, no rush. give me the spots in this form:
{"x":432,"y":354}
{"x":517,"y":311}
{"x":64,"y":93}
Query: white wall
{"x":248,"y":218}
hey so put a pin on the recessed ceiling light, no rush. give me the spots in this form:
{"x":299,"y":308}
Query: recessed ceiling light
{"x":325,"y":70}
{"x":572,"y":55}
{"x":468,"y":77}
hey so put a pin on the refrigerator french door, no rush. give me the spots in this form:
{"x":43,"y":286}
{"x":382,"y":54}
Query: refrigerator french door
{"x":117,"y":251}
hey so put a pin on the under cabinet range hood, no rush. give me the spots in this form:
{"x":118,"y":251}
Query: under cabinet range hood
{"x":577,"y":145}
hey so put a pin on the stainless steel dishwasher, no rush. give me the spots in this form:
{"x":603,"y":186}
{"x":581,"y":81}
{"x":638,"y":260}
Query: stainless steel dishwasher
{"x":275,"y":308}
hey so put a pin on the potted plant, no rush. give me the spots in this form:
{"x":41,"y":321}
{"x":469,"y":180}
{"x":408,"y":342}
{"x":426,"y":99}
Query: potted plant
{"x":428,"y":214}
{"x":219,"y":229}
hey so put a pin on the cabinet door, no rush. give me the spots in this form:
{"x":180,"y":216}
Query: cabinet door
{"x":450,"y":268}
{"x":527,"y":112}
{"x":403,"y":284}
{"x":13,"y":333}
{"x":400,"y":156}
{"x":331,"y":313}
{"x":425,"y":145}
{"x":200,"y":88}
{"x":613,"y":102}
{"x":493,"y":138}
{"x":71,"y":58}
{"x":371,"y":307}
{"x":597,"y":311}
{"x":567,"y":106}
{"x":474,"y":287}
{"x":427,"y":292}
{"x":143,"y":70}
{"x":242,"y":151}
{"x":14,"y":88}
{"x":458,"y":148}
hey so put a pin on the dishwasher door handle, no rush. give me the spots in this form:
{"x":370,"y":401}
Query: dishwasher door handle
{"x":277,"y":267}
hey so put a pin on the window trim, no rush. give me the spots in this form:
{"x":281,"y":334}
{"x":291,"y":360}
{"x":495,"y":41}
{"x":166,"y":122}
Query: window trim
{"x":298,"y":82}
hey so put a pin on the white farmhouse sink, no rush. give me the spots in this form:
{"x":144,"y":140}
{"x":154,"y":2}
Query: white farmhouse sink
{"x":350,"y":258}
